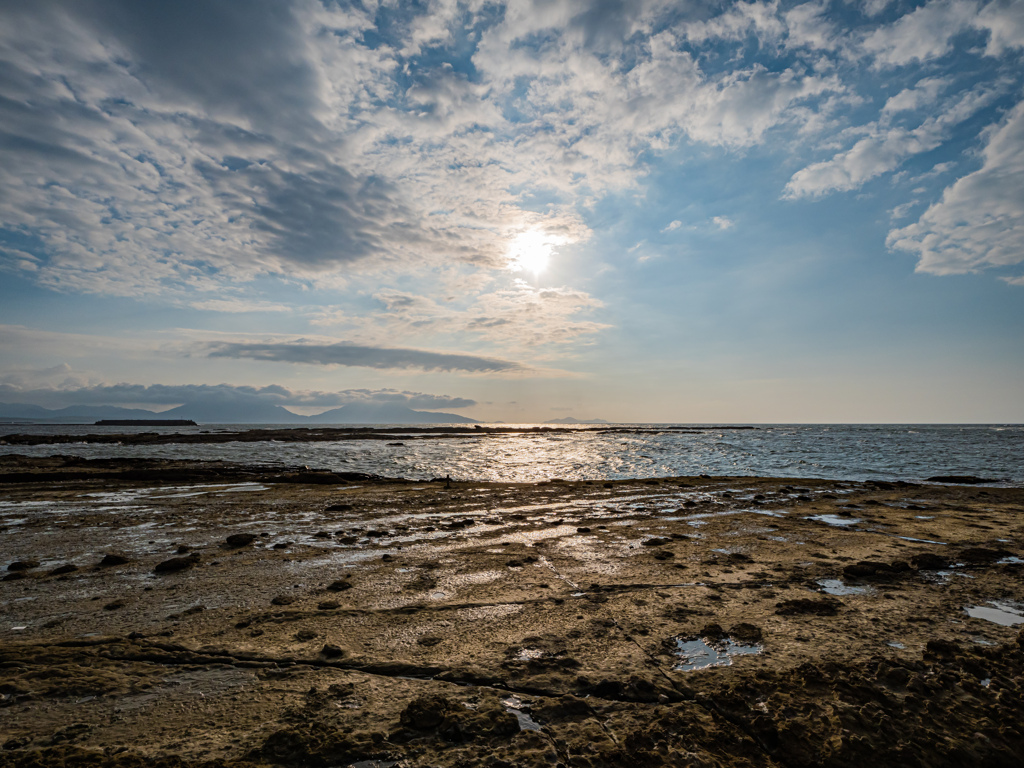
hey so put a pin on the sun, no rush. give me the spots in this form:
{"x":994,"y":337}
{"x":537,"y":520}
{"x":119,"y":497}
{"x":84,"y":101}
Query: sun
{"x":531,"y":251}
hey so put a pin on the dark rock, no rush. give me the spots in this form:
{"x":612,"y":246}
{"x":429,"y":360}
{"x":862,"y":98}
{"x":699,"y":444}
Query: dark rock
{"x":981,"y":555}
{"x":305,"y":635}
{"x":927,"y":561}
{"x":429,"y":640}
{"x":825,"y":606}
{"x":583,"y":529}
{"x":114,"y":558}
{"x":340,"y":508}
{"x":341,"y":585}
{"x":332,"y":651}
{"x":322,"y":535}
{"x":387,"y":558}
{"x":62,"y":569}
{"x":942,"y":649}
{"x":240,"y":539}
{"x":657,"y":541}
{"x":283,"y":600}
{"x":184,"y":549}
{"x":426,"y":712}
{"x":115,"y":605}
{"x":176,"y":564}
{"x":23,"y":565}
{"x":282,"y":545}
{"x":14,"y":576}
{"x":663,"y":554}
{"x":328,"y":605}
{"x":712,"y":631}
{"x":875,"y":571}
{"x":960,"y":479}
{"x":746,"y":633}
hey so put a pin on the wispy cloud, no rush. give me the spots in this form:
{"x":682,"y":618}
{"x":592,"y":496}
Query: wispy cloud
{"x":362,"y":356}
{"x":172,"y":395}
{"x":979,"y":222}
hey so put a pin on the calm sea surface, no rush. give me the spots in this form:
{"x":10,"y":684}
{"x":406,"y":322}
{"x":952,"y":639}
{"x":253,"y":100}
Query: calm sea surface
{"x":848,"y":452}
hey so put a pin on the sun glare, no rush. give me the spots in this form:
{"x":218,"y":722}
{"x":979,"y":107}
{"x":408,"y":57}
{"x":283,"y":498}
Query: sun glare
{"x":531,"y":251}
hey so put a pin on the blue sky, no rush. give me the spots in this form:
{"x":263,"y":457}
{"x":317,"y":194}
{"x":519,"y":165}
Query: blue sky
{"x":643,"y":211}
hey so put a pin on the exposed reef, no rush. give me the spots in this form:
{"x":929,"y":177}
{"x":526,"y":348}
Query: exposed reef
{"x":170,"y":613}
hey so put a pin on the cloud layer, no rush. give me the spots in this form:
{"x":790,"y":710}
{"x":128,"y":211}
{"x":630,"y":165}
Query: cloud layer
{"x":356,"y":355}
{"x":172,"y":395}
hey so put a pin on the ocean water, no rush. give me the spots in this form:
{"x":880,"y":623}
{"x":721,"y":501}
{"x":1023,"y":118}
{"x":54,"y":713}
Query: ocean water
{"x":843,"y":452}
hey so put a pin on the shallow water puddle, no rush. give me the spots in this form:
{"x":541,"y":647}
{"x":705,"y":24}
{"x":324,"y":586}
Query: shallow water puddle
{"x":841,"y":522}
{"x":703,"y":652}
{"x":514,"y":705}
{"x":1000,"y":612}
{"x":837,"y":587}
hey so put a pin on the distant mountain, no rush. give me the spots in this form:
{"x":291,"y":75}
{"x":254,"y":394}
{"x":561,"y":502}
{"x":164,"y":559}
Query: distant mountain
{"x":376,"y":413}
{"x":232,"y":413}
{"x":73,"y":414}
{"x":572,"y":420}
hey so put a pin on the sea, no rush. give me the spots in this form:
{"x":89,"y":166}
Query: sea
{"x":858,"y":452}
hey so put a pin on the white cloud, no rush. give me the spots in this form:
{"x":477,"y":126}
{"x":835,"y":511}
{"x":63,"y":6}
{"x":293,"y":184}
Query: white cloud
{"x":883,"y":150}
{"x":911,"y":99}
{"x":924,"y":33}
{"x":672,"y":226}
{"x":979,"y":222}
{"x":723,"y":222}
{"x":1004,"y":21}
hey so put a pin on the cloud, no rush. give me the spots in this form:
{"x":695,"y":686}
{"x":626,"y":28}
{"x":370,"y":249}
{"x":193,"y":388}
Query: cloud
{"x":362,"y":356}
{"x":922,"y":34}
{"x":723,"y":222}
{"x":672,"y":226}
{"x":172,"y":395}
{"x":883,"y":150}
{"x":979,"y":222}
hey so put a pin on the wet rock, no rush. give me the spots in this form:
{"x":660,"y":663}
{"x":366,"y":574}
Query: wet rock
{"x":14,"y":576}
{"x":23,"y":565}
{"x":283,"y":600}
{"x":115,"y":605}
{"x":825,"y":606}
{"x":176,"y":564}
{"x":712,"y":631}
{"x":282,"y":545}
{"x":114,"y":558}
{"x":340,"y":508}
{"x":238,"y":540}
{"x":582,"y":529}
{"x":341,"y":585}
{"x":60,"y":570}
{"x":322,"y":535}
{"x":184,"y":549}
{"x":332,"y":651}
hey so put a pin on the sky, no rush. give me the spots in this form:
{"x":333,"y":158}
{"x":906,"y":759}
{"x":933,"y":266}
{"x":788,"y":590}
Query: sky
{"x":642,"y":211}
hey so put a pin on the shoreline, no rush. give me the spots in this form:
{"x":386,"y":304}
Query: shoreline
{"x":503,"y":623}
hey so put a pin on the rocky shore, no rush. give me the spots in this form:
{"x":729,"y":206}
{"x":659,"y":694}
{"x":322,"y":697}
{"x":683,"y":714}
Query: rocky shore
{"x":211,"y":614}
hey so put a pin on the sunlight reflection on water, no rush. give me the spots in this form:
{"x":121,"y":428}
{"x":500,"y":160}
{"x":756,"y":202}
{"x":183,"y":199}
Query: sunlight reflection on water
{"x":854,"y":452}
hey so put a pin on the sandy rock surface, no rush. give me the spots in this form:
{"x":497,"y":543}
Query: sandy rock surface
{"x":684,"y":621}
